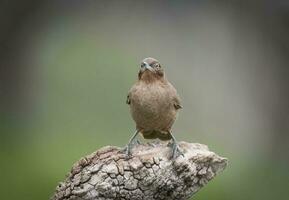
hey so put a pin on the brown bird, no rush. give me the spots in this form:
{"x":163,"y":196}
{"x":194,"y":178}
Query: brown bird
{"x":154,"y":104}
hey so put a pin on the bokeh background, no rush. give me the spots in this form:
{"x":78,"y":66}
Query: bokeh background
{"x":66,"y":67}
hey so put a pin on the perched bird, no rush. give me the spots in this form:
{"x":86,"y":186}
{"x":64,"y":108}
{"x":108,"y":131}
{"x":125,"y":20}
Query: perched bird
{"x":154,"y":104}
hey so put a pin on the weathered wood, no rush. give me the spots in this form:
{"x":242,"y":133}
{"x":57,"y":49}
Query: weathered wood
{"x":149,"y":174}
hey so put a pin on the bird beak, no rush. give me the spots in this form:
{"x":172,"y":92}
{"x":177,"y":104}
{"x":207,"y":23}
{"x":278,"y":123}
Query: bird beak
{"x":145,"y":66}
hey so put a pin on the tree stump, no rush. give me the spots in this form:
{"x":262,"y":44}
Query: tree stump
{"x":149,"y":174}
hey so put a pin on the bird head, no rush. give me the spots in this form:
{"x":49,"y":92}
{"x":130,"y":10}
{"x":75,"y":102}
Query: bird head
{"x":150,"y":69}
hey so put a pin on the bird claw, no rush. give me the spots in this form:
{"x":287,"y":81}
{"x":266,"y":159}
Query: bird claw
{"x":132,"y":142}
{"x":176,"y":151}
{"x":152,"y":144}
{"x":137,"y":142}
{"x":126,"y":150}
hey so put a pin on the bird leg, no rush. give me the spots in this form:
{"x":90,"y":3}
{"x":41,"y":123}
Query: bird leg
{"x":176,"y":152}
{"x":131,"y":143}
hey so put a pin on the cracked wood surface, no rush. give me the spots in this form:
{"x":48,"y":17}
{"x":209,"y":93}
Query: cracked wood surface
{"x":149,"y":174}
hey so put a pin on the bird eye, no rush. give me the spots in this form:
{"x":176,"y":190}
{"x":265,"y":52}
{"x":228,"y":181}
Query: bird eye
{"x":157,"y":65}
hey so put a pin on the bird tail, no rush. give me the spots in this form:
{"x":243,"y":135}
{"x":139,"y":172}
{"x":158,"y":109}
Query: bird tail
{"x":157,"y":135}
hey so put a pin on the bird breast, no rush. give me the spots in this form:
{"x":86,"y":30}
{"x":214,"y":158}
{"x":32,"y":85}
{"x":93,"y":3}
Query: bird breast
{"x":152,"y":106}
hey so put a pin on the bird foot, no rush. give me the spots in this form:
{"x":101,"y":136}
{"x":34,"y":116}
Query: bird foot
{"x":153,"y":144}
{"x":176,"y":151}
{"x":128,"y":148}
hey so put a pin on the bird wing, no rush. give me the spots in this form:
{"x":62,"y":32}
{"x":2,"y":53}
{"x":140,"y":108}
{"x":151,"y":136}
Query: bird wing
{"x":128,"y":99}
{"x":131,"y":92}
{"x":177,"y":102}
{"x":175,"y":97}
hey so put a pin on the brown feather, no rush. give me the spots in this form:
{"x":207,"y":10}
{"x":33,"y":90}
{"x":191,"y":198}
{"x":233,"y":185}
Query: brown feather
{"x":154,"y":103}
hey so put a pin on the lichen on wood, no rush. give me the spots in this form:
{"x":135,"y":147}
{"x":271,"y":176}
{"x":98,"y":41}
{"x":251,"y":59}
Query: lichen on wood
{"x":149,"y":174}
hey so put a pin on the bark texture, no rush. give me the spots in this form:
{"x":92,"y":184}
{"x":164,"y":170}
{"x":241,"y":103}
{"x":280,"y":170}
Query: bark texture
{"x":149,"y":174}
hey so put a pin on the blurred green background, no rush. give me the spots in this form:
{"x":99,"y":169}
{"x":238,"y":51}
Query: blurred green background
{"x":66,"y":67}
